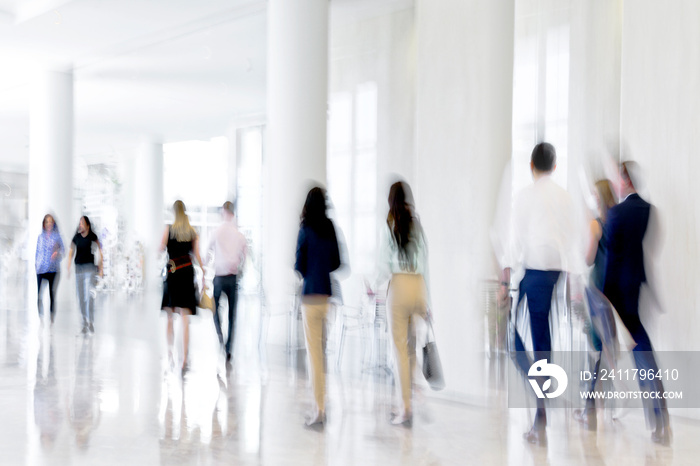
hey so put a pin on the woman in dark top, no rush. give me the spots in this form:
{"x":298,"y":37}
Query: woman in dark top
{"x":49,"y":250}
{"x":179,"y":294}
{"x":316,"y":257}
{"x":82,"y":244}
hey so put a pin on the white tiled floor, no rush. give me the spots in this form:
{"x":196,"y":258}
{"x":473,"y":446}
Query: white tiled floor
{"x":113,"y":398}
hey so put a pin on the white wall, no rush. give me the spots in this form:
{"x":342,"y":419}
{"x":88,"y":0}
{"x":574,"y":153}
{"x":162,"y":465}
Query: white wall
{"x":444,"y":76}
{"x":594,"y":84}
{"x":377,"y":49}
{"x":463,"y":141}
{"x":297,"y":95}
{"x":381,"y":49}
{"x":660,"y":126}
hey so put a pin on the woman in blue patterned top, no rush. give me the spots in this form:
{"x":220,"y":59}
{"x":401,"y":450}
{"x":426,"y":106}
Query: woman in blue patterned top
{"x":49,"y":252}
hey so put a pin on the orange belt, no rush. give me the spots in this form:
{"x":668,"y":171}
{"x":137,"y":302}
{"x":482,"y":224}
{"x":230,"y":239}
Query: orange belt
{"x":179,"y":263}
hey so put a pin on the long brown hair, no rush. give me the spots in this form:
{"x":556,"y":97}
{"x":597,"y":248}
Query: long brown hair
{"x":401,"y":222}
{"x":181,"y":229}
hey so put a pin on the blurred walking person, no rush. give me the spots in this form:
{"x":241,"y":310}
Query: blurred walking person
{"x":49,"y":252}
{"x":179,"y":293}
{"x":404,"y":258}
{"x":601,"y":325}
{"x":85,"y":243}
{"x":317,"y":255}
{"x":625,"y":231}
{"x":229,"y":247}
{"x":542,"y":244}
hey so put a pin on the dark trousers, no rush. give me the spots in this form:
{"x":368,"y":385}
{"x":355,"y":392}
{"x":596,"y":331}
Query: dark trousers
{"x":626,"y":300}
{"x":225,"y":284}
{"x":537,"y":286}
{"x":601,"y":314}
{"x":52,"y":278}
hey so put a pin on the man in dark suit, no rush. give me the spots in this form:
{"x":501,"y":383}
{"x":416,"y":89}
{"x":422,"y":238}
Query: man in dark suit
{"x":625,"y":227}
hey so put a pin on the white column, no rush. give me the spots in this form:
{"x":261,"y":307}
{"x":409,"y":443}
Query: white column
{"x":297,"y":90}
{"x":50,"y":160}
{"x":148,"y":204}
{"x":127,"y":207}
{"x":51,"y":150}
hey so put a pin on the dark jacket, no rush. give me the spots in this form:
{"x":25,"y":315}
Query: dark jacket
{"x":625,"y":228}
{"x":317,"y":256}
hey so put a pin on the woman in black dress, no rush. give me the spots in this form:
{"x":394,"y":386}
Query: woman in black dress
{"x":179,"y":294}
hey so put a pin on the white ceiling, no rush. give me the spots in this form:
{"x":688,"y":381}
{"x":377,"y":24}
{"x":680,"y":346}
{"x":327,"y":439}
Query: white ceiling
{"x":168,"y":69}
{"x":171,"y":69}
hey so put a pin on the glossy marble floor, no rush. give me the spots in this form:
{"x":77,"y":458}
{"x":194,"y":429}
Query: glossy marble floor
{"x":115,"y":398}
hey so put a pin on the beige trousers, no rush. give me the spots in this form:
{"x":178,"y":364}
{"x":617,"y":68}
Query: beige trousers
{"x":314,"y":312}
{"x":407,"y":297}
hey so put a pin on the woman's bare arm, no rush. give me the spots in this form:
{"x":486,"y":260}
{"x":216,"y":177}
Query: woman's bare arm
{"x":596,"y":233}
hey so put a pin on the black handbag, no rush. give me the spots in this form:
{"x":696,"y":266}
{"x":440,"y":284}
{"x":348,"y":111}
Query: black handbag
{"x":432,"y":368}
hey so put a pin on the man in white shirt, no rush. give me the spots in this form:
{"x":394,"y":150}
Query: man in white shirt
{"x":229,"y":247}
{"x":542,"y":242}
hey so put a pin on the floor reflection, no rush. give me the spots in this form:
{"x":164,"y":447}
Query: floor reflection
{"x":112,"y":398}
{"x":205,"y":414}
{"x":85,"y":410}
{"x":48,"y":414}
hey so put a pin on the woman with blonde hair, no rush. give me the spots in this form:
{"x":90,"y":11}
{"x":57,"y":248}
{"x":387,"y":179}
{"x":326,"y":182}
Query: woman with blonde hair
{"x":179,"y":294}
{"x":599,"y":308}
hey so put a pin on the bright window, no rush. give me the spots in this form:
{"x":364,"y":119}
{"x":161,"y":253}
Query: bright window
{"x":540,"y":86}
{"x":352,"y":172}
